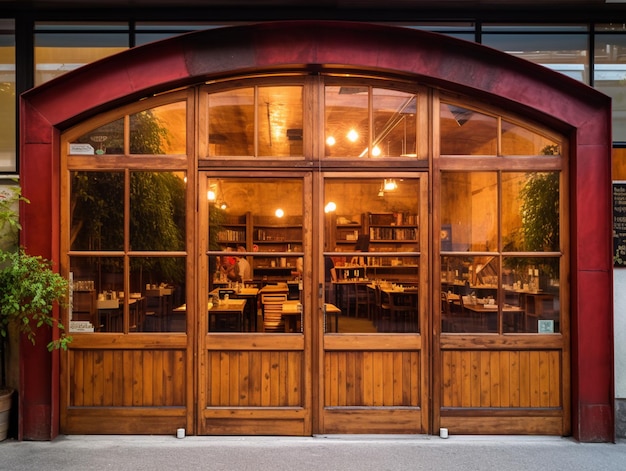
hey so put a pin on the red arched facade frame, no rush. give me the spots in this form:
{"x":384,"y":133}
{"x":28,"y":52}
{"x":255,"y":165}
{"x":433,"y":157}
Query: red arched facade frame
{"x":583,"y":113}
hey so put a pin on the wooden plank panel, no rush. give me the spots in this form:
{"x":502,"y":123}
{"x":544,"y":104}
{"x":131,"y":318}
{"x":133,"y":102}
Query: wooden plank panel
{"x":244,"y":379}
{"x":526,"y":379}
{"x":77,"y":384}
{"x":504,"y":375}
{"x":368,"y":378}
{"x":127,"y":372}
{"x":255,"y":373}
{"x":341,"y":378}
{"x":377,"y":379}
{"x":494,"y":368}
{"x":265,"y":379}
{"x":514,"y":379}
{"x":294,"y":379}
{"x":138,"y":372}
{"x":276,"y":397}
{"x":118,"y":381}
{"x":350,"y":379}
{"x":147,"y":369}
{"x":556,"y":396}
{"x":387,"y":377}
{"x":535,"y":391}
{"x":398,"y":378}
{"x":107,"y":378}
{"x":233,"y":378}
{"x":485,"y":379}
{"x":158,"y":378}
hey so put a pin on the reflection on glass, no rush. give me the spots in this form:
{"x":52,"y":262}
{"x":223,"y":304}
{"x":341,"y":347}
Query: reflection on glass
{"x":157,"y":211}
{"x":231,"y":123}
{"x":349,"y":109}
{"x":467,"y":132}
{"x":610,"y":75}
{"x":518,"y":140}
{"x":347,"y":121}
{"x":469,"y":294}
{"x":530,"y":214}
{"x":276,"y":129}
{"x":59,"y":53}
{"x":255,"y":278}
{"x":97,"y":211}
{"x":160,"y":130}
{"x":532,"y":286}
{"x":469,"y":211}
{"x":371,"y":285}
{"x":7,"y":97}
{"x":105,"y":140}
{"x":565,"y":52}
{"x":98,"y":292}
{"x":280,"y":121}
{"x":394,"y":123}
{"x":157,"y":294}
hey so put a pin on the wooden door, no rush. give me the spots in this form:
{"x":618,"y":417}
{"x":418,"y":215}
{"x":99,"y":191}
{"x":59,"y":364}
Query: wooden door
{"x":254,"y":375}
{"x":373,"y":370}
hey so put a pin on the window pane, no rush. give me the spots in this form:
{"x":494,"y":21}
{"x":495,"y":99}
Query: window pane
{"x":255,"y":225}
{"x":107,"y":139}
{"x":610,"y":77}
{"x":280,"y":121}
{"x":7,"y":97}
{"x":160,"y":130}
{"x":59,"y":52}
{"x":97,"y":211}
{"x":371,"y":285}
{"x":532,"y":286}
{"x":518,"y":140}
{"x":231,"y":123}
{"x":347,"y":121}
{"x":97,"y":305}
{"x":465,"y":131}
{"x":565,"y":52}
{"x":530,"y":212}
{"x":157,"y":298}
{"x":469,"y":294}
{"x":157,"y":211}
{"x":469,"y":211}
{"x":394,"y":123}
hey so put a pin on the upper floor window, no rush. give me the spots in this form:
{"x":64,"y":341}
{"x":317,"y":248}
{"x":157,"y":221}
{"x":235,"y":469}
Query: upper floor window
{"x":365,"y":121}
{"x":256,"y":121}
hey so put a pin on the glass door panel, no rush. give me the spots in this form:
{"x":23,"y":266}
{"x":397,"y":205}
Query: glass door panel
{"x":256,"y":255}
{"x":372,"y":255}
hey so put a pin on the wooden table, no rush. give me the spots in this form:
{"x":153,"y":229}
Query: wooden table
{"x":226,"y":312}
{"x":292,"y":313}
{"x":331,"y":310}
{"x":484,"y":312}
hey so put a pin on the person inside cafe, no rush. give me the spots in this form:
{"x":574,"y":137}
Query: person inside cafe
{"x":243,"y":271}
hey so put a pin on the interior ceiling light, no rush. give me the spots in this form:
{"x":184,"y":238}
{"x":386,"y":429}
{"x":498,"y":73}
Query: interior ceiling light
{"x":390,"y":185}
{"x":330,"y":141}
{"x":279,"y":213}
{"x":330,"y":207}
{"x":352,"y":135}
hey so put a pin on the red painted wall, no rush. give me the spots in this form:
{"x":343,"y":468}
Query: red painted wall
{"x":434,"y":59}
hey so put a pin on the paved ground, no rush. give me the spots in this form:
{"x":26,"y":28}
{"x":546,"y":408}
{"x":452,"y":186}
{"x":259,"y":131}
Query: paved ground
{"x":323,"y":453}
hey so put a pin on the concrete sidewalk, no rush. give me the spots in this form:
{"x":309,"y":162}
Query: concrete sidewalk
{"x":323,"y":453}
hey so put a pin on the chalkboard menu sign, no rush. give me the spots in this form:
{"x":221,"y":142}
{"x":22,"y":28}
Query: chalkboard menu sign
{"x":619,"y":224}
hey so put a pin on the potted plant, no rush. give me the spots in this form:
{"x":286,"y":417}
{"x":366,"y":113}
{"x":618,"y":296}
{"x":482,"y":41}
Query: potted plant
{"x":29,"y":289}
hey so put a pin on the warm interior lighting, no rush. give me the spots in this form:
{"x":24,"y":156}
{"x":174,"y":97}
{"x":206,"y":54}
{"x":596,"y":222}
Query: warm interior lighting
{"x":279,"y":213}
{"x":376,"y":151}
{"x":330,"y":207}
{"x":390,"y":185}
{"x":223,"y":206}
{"x":211,"y":196}
{"x":352,"y":135}
{"x":330,"y":141}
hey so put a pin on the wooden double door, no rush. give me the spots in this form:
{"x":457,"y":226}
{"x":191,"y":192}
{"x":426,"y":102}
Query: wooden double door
{"x":349,"y":362}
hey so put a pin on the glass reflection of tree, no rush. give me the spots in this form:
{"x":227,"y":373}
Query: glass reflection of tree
{"x":157,"y":212}
{"x":539,"y":211}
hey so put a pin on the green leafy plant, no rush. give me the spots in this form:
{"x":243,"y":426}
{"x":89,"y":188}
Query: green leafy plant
{"x":29,"y":287}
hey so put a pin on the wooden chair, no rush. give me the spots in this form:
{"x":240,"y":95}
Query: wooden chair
{"x":273,"y":312}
